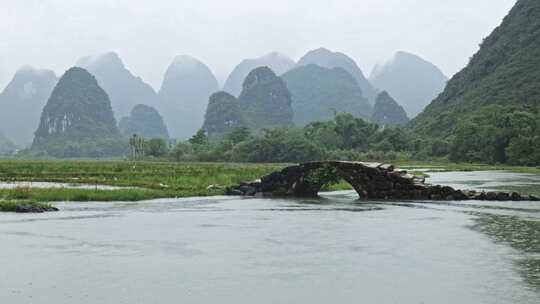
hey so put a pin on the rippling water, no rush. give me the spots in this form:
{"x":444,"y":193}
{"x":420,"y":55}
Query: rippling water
{"x":230,"y":250}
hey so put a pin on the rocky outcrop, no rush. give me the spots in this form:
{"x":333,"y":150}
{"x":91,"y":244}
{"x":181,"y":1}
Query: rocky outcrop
{"x":78,"y":120}
{"x":265,"y":100}
{"x":144,"y":121}
{"x":22,"y":101}
{"x":125,"y":90}
{"x":328,"y":59}
{"x":187,"y":85}
{"x":410,"y":79}
{"x":387,"y":112}
{"x":34,"y":208}
{"x":223,"y":115}
{"x":277,"y":62}
{"x":319,"y":93}
{"x":370,"y":180}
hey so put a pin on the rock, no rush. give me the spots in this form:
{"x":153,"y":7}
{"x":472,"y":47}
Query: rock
{"x":234,"y":192}
{"x":515,"y":196}
{"x":501,"y":196}
{"x":491,"y":196}
{"x":28,"y":208}
{"x":387,"y":167}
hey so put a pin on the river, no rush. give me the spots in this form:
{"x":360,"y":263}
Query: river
{"x":246,"y":250}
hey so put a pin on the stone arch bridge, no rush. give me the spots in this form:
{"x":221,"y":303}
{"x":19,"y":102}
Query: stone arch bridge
{"x":370,"y":180}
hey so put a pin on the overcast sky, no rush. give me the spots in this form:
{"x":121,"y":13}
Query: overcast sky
{"x":149,"y":33}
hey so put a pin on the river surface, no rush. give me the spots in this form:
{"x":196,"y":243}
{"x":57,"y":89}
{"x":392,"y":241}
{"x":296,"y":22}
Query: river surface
{"x":241,"y":250}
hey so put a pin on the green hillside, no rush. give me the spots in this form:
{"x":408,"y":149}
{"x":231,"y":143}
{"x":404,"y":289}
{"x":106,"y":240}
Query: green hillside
{"x":505,"y":71}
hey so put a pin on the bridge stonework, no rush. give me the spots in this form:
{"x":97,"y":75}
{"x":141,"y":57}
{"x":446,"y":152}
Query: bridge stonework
{"x":374,"y":181}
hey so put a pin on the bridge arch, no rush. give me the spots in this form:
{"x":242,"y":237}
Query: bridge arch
{"x":370,"y":180}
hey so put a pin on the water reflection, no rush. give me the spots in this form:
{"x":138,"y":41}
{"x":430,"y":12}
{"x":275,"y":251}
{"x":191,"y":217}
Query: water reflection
{"x":520,"y":233}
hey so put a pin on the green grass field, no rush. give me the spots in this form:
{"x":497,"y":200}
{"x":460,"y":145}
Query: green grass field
{"x":147,"y":180}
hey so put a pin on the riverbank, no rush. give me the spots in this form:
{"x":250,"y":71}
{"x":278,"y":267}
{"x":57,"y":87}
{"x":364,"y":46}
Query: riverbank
{"x":142,"y":180}
{"x":152,"y":180}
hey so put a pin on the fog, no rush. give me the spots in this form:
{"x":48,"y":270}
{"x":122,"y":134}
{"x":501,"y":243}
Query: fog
{"x":148,"y":34}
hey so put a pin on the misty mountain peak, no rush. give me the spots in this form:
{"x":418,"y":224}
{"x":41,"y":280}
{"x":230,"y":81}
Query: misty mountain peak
{"x":185,"y":62}
{"x":318,"y":93}
{"x":414,"y":81}
{"x":277,"y":62}
{"x":109,"y":59}
{"x":387,"y":112}
{"x":329,"y":59}
{"x":22,"y":100}
{"x":266,"y":100}
{"x":78,"y":112}
{"x":187,"y":85}
{"x":124,"y":89}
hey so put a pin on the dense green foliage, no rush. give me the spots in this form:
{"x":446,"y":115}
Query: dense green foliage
{"x":387,"y":112}
{"x":319,"y":93}
{"x":78,"y":120}
{"x":144,"y":121}
{"x":222,"y":115}
{"x":265,"y":100}
{"x":345,"y":137}
{"x":411,"y":80}
{"x":505,"y":71}
{"x":186,"y":86}
{"x":498,"y":134}
{"x":328,"y":59}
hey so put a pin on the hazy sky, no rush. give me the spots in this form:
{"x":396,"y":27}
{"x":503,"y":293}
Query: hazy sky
{"x":149,"y":33}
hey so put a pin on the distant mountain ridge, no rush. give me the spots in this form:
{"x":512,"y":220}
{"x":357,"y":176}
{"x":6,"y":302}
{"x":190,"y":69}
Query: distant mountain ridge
{"x":319,"y":93}
{"x":328,"y":59}
{"x":186,"y":87}
{"x":223,"y":115}
{"x":277,"y":62}
{"x":77,"y":120}
{"x":125,"y":90}
{"x":144,"y":121}
{"x":21,"y":103}
{"x":265,"y":100}
{"x":410,"y":79}
{"x":387,"y":112}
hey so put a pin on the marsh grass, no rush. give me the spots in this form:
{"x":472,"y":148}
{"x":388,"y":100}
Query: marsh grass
{"x":147,"y":180}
